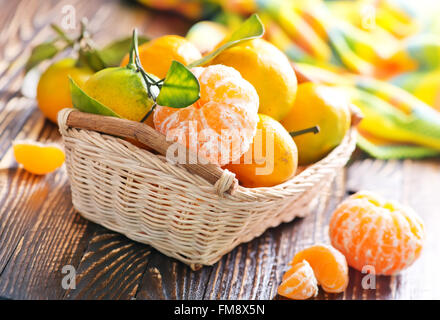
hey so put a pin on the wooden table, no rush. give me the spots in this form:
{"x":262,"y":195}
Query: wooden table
{"x":40,"y":232}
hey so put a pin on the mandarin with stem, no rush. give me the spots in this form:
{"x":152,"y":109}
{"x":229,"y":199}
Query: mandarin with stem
{"x":156,"y":55}
{"x":272,"y":158}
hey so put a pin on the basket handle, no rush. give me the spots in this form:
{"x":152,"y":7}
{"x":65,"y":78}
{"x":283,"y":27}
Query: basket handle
{"x":223,"y":180}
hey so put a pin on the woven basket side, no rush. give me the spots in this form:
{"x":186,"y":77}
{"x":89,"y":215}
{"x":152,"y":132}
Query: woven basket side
{"x":139,"y":194}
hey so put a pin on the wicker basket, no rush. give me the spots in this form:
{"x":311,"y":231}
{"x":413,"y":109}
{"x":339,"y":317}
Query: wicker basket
{"x":139,"y":194}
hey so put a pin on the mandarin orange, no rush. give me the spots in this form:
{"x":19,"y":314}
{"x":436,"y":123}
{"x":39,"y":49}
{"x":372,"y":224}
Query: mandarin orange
{"x":371,"y":231}
{"x":156,"y":55}
{"x":272,"y":158}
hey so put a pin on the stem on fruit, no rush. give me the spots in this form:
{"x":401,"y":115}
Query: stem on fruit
{"x":149,"y":112}
{"x":314,"y":129}
{"x":134,"y":63}
{"x":62,"y":34}
{"x":133,"y":51}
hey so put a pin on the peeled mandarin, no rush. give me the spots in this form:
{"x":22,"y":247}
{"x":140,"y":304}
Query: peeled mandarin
{"x":371,"y":231}
{"x":220,"y":126}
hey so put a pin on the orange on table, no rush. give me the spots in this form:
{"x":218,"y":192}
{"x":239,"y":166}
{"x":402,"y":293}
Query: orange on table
{"x":328,"y":264}
{"x":228,"y":105}
{"x":156,"y":55}
{"x":36,"y":157}
{"x":299,"y":282}
{"x":272,"y":158}
{"x":371,"y":231}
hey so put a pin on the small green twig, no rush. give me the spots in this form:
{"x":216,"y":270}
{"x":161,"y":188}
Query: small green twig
{"x":63,"y":35}
{"x":314,"y":129}
{"x":149,"y":112}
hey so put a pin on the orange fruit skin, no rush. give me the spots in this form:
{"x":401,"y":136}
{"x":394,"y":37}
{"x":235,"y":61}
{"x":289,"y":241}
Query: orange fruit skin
{"x":279,"y":161}
{"x":228,"y":107}
{"x":328,"y":264}
{"x":371,"y":231}
{"x":268,"y":70}
{"x":299,"y":282}
{"x":320,"y":105}
{"x":38,"y":158}
{"x":53,"y":90}
{"x":122,"y":90}
{"x":156,"y":55}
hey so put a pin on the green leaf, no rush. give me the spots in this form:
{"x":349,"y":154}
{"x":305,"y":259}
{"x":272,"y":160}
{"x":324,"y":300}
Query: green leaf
{"x":44,"y":51}
{"x":113,"y":53}
{"x":180,"y":88}
{"x":250,"y":29}
{"x":83,"y":102}
{"x":92,"y":59}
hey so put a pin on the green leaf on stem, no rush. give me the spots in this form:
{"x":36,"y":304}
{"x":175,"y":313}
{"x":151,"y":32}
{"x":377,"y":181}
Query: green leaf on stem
{"x":44,"y":51}
{"x":91,"y":58}
{"x":180,"y":87}
{"x":114,"y":52}
{"x":83,"y":102}
{"x":250,"y":29}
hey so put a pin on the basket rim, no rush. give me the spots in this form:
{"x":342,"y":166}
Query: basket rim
{"x":235,"y":218}
{"x":336,"y":158}
{"x":349,"y":142}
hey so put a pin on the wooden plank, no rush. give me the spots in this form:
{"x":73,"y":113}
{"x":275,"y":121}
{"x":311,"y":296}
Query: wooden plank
{"x":39,"y":228}
{"x":40,"y":231}
{"x":251,"y":271}
{"x":36,"y":241}
{"x":421,"y":182}
{"x":111,"y":268}
{"x":166,"y":278}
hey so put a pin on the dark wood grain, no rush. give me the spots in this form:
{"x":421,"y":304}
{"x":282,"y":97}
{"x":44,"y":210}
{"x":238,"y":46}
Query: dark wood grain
{"x":40,"y":232}
{"x":111,"y":267}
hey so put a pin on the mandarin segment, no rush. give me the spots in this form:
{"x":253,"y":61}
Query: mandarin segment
{"x":299,"y":282}
{"x":328,"y":264}
{"x":38,"y":158}
{"x":371,"y":231}
{"x":220,"y":126}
